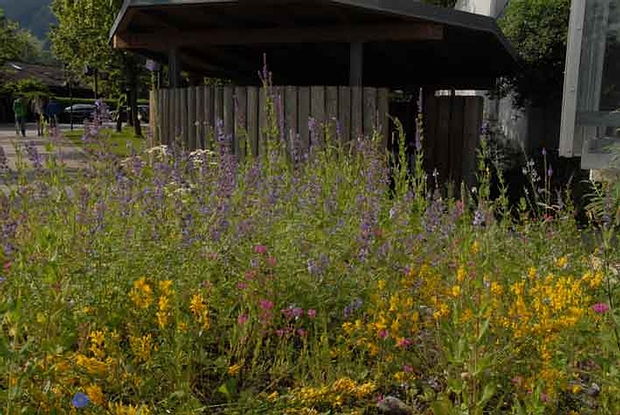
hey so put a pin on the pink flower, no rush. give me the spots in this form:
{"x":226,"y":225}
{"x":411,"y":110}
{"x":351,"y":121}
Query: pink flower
{"x":250,"y":275}
{"x":242,"y":319}
{"x":260,"y":249}
{"x":404,"y":343}
{"x":266,"y":304}
{"x":7,"y":266}
{"x":312,"y":313}
{"x":383,"y":333}
{"x":600,"y":308}
{"x":272,"y":262}
{"x":242,"y":285}
{"x":301,"y":332}
{"x":407,"y":369}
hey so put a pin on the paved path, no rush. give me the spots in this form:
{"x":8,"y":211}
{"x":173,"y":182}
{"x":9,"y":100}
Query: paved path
{"x":73,"y":157}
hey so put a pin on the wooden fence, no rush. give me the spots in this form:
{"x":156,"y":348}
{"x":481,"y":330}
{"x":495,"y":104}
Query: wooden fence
{"x":452,"y":127}
{"x":191,"y":115}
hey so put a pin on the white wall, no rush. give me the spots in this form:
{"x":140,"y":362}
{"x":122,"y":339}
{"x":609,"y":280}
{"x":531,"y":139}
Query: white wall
{"x":491,"y":8}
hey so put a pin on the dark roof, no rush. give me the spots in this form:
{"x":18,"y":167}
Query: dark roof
{"x":50,"y":76}
{"x":307,"y":41}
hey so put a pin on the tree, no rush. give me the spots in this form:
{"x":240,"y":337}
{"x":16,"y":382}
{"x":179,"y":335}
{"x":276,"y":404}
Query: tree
{"x":16,"y":44}
{"x":539,"y":30}
{"x":80,"y":40}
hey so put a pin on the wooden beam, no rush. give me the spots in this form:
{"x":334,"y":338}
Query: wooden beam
{"x":356,"y":63}
{"x":362,"y":33}
{"x":174,"y":67}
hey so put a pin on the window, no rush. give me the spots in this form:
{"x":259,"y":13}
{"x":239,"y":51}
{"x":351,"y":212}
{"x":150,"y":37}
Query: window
{"x":591,"y":107}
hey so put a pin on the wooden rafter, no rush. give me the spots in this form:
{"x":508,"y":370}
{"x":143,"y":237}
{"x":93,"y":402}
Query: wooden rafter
{"x":166,"y":39}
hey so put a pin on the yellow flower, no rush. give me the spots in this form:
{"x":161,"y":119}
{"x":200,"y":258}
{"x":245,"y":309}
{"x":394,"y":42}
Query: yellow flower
{"x":165,"y":287}
{"x":234,"y":369}
{"x":91,"y":365}
{"x":273,"y":396}
{"x":95,"y":394}
{"x":141,"y":294}
{"x":475,"y":247}
{"x":162,"y":311}
{"x":381,"y":284}
{"x":576,"y":389}
{"x":120,"y":409}
{"x":461,"y":274}
{"x":199,"y":309}
{"x":141,"y":347}
{"x":532,"y":273}
{"x":562,"y":261}
{"x":456,"y":291}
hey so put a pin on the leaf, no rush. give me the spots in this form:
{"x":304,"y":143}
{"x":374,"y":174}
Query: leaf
{"x":483,"y":330}
{"x":487,"y":393}
{"x":443,"y":406}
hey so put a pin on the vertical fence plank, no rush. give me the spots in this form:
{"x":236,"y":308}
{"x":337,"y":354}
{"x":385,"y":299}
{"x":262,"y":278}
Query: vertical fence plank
{"x":183,"y":120}
{"x":303,"y":118}
{"x":209,"y":117}
{"x":199,"y":128}
{"x":161,"y":102}
{"x":172,"y":116}
{"x":241,"y":117}
{"x":229,"y":117}
{"x":331,"y":110}
{"x":370,"y":110}
{"x":252,"y":113}
{"x":152,"y":117}
{"x":218,"y":107}
{"x":344,"y":113}
{"x":191,"y":118}
{"x":317,"y":110}
{"x":472,"y":123}
{"x":291,"y":130}
{"x":356,"y":113}
{"x":383,"y":109}
{"x":443,"y":137}
{"x":263,"y":127}
{"x":164,"y":107}
{"x":456,"y":139}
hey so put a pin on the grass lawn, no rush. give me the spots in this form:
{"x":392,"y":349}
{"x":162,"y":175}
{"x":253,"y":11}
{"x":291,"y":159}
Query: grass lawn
{"x":119,"y":144}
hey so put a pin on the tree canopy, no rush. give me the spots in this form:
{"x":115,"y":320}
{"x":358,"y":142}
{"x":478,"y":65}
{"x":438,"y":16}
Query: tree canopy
{"x":16,"y":44}
{"x":539,"y":31}
{"x":81,"y":38}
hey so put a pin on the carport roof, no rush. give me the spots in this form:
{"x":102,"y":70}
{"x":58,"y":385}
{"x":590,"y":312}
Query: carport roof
{"x":406,"y":42}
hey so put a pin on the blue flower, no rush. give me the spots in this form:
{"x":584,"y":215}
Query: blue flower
{"x":79,"y":400}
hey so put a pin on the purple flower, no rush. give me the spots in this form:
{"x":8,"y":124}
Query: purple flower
{"x":544,"y":151}
{"x":550,"y":171}
{"x":312,"y":313}
{"x":79,"y":400}
{"x":600,"y":308}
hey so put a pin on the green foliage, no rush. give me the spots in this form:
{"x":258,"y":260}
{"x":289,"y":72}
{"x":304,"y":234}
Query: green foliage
{"x":176,"y":282}
{"x":16,"y":44}
{"x":81,"y":39}
{"x":539,"y":30}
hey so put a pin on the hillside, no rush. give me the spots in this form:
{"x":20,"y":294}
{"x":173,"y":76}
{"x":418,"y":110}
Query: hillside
{"x":34,"y":15}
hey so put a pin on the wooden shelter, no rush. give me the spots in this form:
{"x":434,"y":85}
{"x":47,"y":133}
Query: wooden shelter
{"x":332,"y":51}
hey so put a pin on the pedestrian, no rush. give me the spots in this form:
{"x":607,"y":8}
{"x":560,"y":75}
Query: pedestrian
{"x":52,"y":112}
{"x":20,"y":111}
{"x":37,"y":106}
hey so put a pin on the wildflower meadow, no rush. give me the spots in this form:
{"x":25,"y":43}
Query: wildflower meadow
{"x":335,"y":282}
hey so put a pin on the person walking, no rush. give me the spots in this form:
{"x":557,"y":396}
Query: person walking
{"x":20,"y":110}
{"x":37,"y":106}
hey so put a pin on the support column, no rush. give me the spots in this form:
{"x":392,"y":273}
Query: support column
{"x":356,"y":63}
{"x":174,"y":68}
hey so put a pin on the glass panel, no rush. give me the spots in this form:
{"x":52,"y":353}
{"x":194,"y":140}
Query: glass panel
{"x":598,"y":96}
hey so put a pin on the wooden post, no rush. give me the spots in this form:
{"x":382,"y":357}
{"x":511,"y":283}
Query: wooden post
{"x":356,"y":63}
{"x":174,"y":68}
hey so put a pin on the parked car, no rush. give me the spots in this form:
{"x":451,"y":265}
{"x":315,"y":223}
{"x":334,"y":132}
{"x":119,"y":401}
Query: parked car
{"x":143,"y":113}
{"x":80,"y":112}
